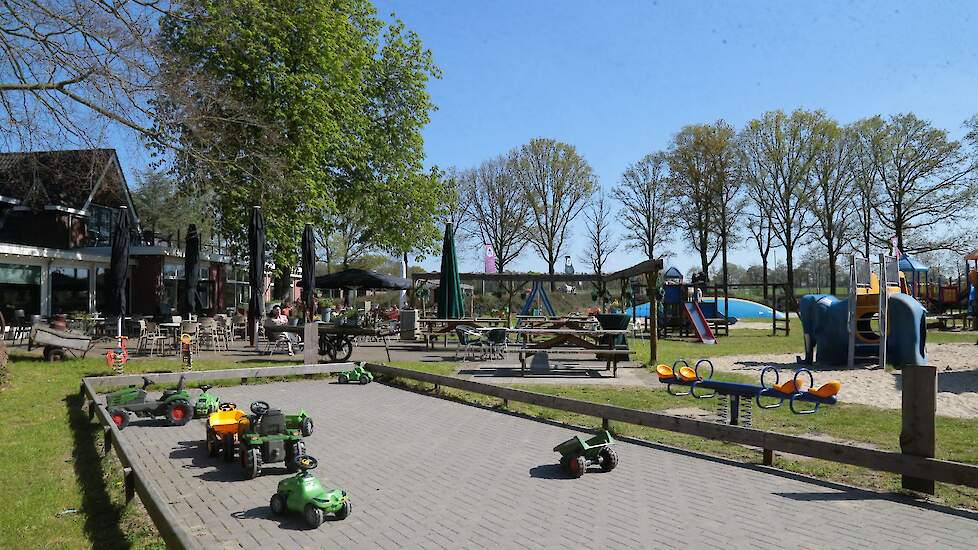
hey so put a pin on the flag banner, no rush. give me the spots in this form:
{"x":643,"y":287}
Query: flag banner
{"x":490,"y":265}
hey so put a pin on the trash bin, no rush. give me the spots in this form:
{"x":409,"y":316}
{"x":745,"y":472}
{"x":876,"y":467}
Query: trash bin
{"x":409,"y":324}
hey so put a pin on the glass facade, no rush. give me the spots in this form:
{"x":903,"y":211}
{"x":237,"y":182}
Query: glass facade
{"x":237,"y":291}
{"x":20,"y":290}
{"x":173,"y":285}
{"x":69,"y":290}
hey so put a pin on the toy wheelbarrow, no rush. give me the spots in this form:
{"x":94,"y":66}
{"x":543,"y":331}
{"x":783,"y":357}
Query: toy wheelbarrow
{"x":577,"y":453}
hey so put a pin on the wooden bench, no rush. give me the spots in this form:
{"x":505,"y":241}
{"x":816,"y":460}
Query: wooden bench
{"x":610,"y":356}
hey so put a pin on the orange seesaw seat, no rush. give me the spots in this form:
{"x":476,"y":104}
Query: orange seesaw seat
{"x":824,"y":391}
{"x":686,"y":374}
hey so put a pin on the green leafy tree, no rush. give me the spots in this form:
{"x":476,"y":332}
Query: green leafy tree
{"x":165,"y":208}
{"x":559,"y":183}
{"x":289,"y":105}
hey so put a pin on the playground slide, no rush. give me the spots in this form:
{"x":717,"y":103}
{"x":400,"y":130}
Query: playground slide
{"x":698,"y":321}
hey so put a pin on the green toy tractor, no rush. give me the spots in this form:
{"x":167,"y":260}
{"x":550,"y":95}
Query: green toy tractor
{"x":173,"y":404}
{"x":206,"y":402}
{"x":359,"y":375}
{"x":268,"y":439}
{"x":304,"y":493}
{"x":577,"y":453}
{"x":300,"y":421}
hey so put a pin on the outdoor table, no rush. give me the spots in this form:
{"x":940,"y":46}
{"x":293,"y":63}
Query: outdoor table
{"x":601,"y":342}
{"x":445,"y":327}
{"x":578,"y":323}
{"x":174,"y":330}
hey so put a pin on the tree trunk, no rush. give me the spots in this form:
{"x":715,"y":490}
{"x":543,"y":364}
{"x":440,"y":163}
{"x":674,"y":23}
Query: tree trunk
{"x":832,"y":259}
{"x":553,"y":285}
{"x":723,"y":252}
{"x":764,"y":275}
{"x":789,"y":264}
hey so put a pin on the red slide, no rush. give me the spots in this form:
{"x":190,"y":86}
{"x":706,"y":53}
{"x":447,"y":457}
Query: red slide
{"x":698,"y":321}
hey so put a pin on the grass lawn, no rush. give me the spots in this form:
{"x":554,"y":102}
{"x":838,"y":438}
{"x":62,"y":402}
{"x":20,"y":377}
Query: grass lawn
{"x":52,"y":460}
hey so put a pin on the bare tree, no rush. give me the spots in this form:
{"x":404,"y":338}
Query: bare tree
{"x":779,"y":150}
{"x":834,"y":200}
{"x":601,"y":242}
{"x":725,"y":181}
{"x":866,"y":188}
{"x":500,"y":210}
{"x":559,"y":182}
{"x":648,"y":204}
{"x":68,"y":68}
{"x":925,"y":179}
{"x":461,"y":208}
{"x":690,"y":166}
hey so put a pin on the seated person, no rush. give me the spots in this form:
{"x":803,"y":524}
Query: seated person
{"x":278,"y":318}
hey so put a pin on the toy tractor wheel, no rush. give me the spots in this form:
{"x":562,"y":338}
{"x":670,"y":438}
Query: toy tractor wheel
{"x":576,"y":466}
{"x":314,"y":516}
{"x":608,"y":458}
{"x":119,"y":417}
{"x":179,"y":412}
{"x":293,"y":451}
{"x":277,"y":504}
{"x":343,"y":378}
{"x":364,"y":378}
{"x":344,"y":511}
{"x":306,"y":427}
{"x":227,"y":446}
{"x":252,"y":463}
{"x":212,"y":449}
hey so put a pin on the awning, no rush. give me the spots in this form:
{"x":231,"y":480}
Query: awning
{"x":361,"y":279}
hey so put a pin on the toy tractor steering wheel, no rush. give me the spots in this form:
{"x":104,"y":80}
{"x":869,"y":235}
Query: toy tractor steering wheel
{"x":306,"y":462}
{"x":227,"y":407}
{"x":205,"y":387}
{"x":147,"y":382}
{"x":259,"y":407}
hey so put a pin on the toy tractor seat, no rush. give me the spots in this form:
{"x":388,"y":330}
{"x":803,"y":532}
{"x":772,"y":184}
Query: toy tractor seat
{"x":270,"y":423}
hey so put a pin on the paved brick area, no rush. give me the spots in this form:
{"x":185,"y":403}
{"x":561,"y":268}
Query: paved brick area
{"x":428,"y":473}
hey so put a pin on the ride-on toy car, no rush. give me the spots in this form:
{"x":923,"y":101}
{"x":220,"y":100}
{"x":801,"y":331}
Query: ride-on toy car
{"x":267,"y":439}
{"x":206,"y":402}
{"x":359,"y":375}
{"x":577,"y":453}
{"x":173,"y":404}
{"x":304,"y":493}
{"x":223,"y":427}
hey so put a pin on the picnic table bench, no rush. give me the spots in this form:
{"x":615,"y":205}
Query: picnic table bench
{"x":432,"y":329}
{"x":602,"y":343}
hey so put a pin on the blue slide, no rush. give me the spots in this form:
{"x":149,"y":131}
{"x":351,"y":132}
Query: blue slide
{"x":825,"y":321}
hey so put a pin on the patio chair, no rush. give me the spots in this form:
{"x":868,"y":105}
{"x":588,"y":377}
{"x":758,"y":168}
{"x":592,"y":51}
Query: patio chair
{"x":154,"y":338}
{"x":274,"y":340}
{"x":210,"y":334}
{"x":223,"y":334}
{"x":498,"y":344}
{"x":239,"y":325}
{"x":469,"y":340}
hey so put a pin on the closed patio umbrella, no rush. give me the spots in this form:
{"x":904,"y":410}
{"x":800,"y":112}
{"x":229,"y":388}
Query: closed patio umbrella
{"x":309,"y":269}
{"x":191,"y":272}
{"x":119,"y":268}
{"x":256,"y":271}
{"x":450,"y":304}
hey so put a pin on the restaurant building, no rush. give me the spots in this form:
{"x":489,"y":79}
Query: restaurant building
{"x":57,"y":212}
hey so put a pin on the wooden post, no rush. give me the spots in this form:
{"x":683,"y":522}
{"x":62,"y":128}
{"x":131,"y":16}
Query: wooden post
{"x":129,"y":481}
{"x":768,"y":457}
{"x":604,"y":424}
{"x":653,"y":292}
{"x":917,"y":437}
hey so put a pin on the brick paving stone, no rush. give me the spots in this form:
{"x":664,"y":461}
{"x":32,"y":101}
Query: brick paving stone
{"x":429,"y":473}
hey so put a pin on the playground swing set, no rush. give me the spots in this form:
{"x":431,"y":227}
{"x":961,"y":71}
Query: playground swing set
{"x":735,"y":400}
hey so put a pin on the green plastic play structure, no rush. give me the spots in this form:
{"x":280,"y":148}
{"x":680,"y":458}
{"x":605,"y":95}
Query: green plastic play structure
{"x":577,"y":453}
{"x":359,"y":374}
{"x":304,"y":493}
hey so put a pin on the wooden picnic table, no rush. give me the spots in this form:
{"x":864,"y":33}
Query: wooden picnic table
{"x":432,"y":329}
{"x":600,"y":342}
{"x":572,"y":322}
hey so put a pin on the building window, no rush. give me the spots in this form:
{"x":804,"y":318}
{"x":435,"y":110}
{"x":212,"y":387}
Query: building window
{"x":20,"y":291}
{"x":99,"y":224}
{"x":237,"y":291}
{"x":69,"y":290}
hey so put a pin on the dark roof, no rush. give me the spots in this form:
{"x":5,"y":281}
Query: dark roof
{"x":68,"y":179}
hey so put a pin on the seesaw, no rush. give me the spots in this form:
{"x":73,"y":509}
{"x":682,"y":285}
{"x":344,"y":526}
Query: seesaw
{"x":793,"y":390}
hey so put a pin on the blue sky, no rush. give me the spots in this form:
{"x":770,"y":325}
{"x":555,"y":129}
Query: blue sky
{"x":617,"y":79}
